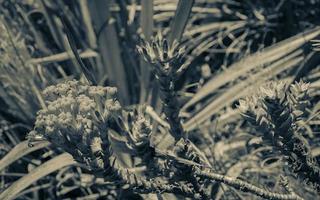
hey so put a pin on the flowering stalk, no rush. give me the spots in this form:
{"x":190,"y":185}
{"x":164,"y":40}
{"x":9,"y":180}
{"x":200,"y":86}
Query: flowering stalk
{"x":277,"y":111}
{"x":244,"y":186}
{"x":77,"y":119}
{"x":166,"y":60}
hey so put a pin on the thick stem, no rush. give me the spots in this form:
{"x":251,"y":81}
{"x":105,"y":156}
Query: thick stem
{"x":236,"y":183}
{"x":138,"y":183}
{"x":299,"y":157}
{"x":171,"y":110}
{"x":170,"y":106}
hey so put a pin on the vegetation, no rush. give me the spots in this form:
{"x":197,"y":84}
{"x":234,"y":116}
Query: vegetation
{"x":156,"y":99}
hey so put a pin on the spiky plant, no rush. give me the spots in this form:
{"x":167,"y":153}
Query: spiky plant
{"x":80,"y":119}
{"x":276,"y":110}
{"x":165,"y":59}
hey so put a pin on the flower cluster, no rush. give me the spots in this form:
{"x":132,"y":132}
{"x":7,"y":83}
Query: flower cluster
{"x":82,"y":120}
{"x":76,"y":118}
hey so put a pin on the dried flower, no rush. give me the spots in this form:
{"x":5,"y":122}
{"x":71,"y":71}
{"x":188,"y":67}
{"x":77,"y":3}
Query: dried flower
{"x":76,"y":119}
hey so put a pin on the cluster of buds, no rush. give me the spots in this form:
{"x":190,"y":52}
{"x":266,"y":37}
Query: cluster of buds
{"x":136,"y":127}
{"x":164,"y":57}
{"x":76,"y":119}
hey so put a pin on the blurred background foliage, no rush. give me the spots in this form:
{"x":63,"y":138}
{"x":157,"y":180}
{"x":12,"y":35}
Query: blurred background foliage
{"x":232,"y":47}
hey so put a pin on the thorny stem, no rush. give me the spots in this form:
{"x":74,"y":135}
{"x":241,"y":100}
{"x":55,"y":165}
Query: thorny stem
{"x":168,"y":97}
{"x":139,"y":183}
{"x":142,"y":185}
{"x":244,"y":186}
{"x":184,"y":149}
{"x":206,"y":172}
{"x":166,"y":60}
{"x":276,"y":111}
{"x":299,"y":157}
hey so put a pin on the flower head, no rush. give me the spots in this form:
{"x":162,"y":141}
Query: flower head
{"x":160,"y":53}
{"x":76,"y":119}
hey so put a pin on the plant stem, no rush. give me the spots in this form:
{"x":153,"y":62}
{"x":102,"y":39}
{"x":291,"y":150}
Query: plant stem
{"x":170,"y":105}
{"x":244,"y":186}
{"x":236,"y":183}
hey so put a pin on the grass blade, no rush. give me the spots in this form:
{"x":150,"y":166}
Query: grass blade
{"x":46,"y":168}
{"x":88,"y":53}
{"x":19,"y":151}
{"x":180,"y":20}
{"x":251,"y":62}
{"x":110,"y":50}
{"x":146,"y":23}
{"x":243,"y":88}
{"x":87,"y":73}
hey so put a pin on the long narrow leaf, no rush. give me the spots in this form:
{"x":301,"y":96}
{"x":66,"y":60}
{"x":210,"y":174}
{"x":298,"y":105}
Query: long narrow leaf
{"x":87,"y":73}
{"x":146,"y":23}
{"x":180,"y":19}
{"x":108,"y":44}
{"x":46,"y":168}
{"x":19,"y":151}
{"x":251,"y":62}
{"x":242,"y":89}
